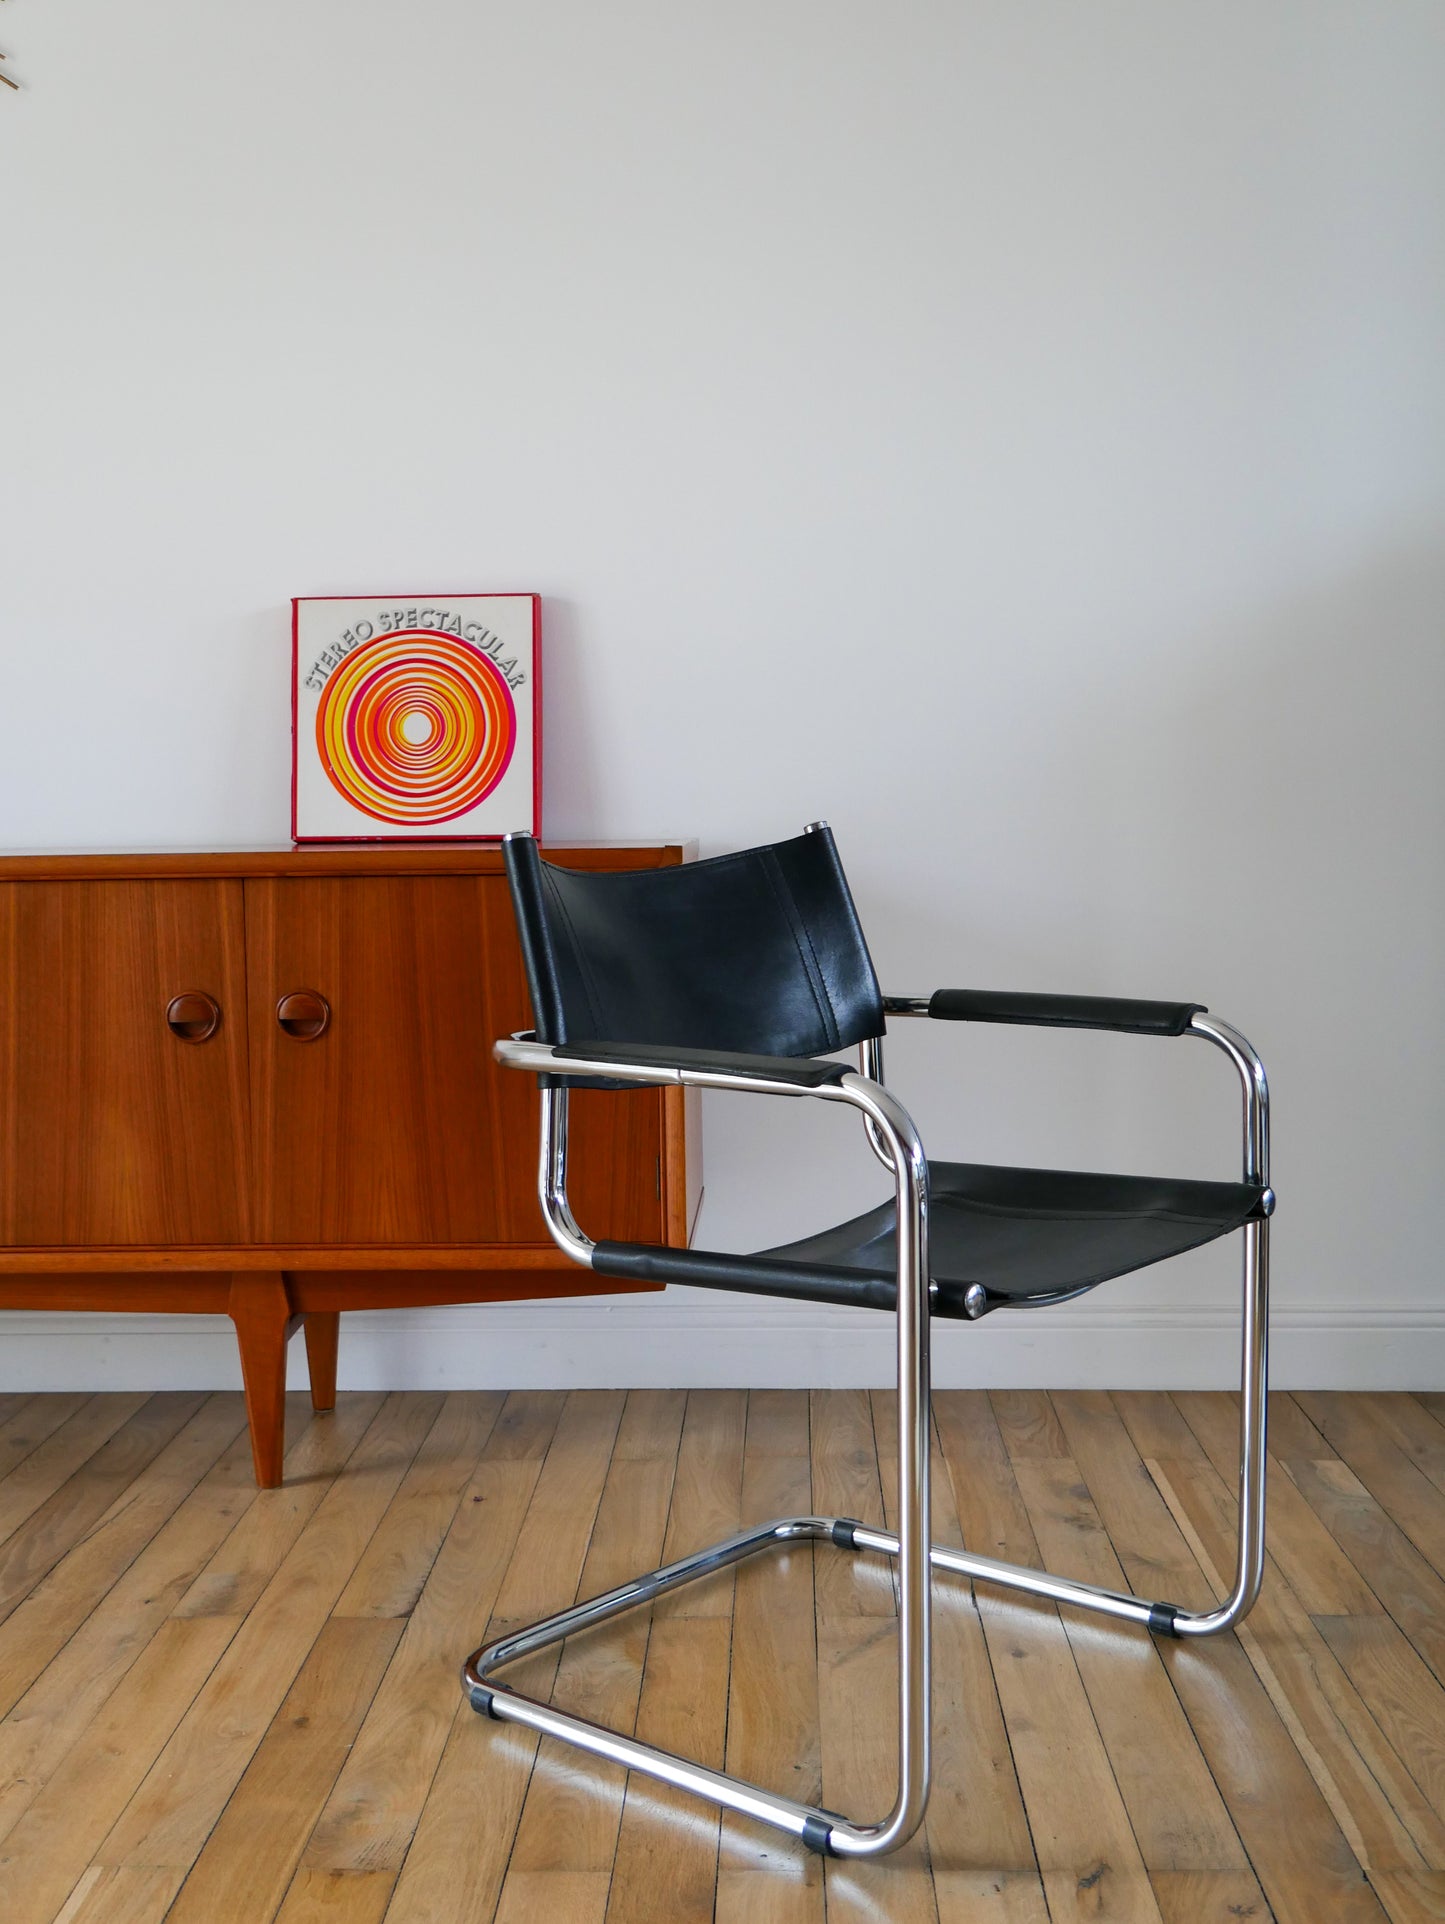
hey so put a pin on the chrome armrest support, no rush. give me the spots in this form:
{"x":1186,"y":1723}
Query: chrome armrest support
{"x":870,"y":1064}
{"x":888,"y":1123}
{"x":523,"y":1051}
{"x":1241,"y":1052}
{"x":552,"y":1181}
{"x":1254,"y":1087}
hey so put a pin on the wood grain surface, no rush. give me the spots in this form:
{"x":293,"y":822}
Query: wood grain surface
{"x":395,"y":1125}
{"x":231,"y":1706}
{"x":112,"y":1130}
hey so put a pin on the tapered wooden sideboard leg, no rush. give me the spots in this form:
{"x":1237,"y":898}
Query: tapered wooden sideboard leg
{"x":261,"y":1310}
{"x":323,"y":1332}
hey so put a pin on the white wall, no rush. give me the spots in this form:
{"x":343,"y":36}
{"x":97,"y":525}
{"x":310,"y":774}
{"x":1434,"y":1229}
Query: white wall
{"x":1014,"y":433}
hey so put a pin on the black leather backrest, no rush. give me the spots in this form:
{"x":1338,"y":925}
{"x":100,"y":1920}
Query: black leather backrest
{"x":759,"y":952}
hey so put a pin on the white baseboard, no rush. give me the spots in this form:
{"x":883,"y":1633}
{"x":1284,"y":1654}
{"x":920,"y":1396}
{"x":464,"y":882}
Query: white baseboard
{"x":700,"y":1342}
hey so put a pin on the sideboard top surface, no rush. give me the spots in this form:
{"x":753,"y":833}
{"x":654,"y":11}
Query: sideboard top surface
{"x":342,"y":858}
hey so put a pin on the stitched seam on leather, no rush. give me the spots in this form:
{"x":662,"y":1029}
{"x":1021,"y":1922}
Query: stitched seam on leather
{"x":1051,"y":1291}
{"x":1160,"y":1215}
{"x":855,"y":929}
{"x":963,"y":1205}
{"x":738,"y":858}
{"x":798,"y":928}
{"x":583,"y":967}
{"x":1099,"y":1276}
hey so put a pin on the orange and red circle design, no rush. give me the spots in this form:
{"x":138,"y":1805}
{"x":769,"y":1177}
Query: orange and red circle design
{"x":416,"y":726}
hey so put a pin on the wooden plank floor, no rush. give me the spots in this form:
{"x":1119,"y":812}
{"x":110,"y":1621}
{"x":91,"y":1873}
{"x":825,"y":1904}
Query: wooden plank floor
{"x":224,"y":1706}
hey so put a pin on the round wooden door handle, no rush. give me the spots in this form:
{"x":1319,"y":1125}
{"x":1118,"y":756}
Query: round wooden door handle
{"x":193,"y":1017}
{"x":304,"y":1014}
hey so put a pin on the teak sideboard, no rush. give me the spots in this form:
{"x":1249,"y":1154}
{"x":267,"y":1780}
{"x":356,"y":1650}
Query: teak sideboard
{"x":261,"y":1083}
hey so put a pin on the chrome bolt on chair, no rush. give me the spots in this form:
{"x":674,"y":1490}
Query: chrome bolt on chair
{"x":745,"y":972}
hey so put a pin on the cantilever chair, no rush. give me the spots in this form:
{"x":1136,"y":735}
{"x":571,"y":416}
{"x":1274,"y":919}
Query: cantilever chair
{"x":745,"y":973}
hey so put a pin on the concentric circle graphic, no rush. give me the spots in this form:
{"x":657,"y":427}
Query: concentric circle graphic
{"x":416,"y":726}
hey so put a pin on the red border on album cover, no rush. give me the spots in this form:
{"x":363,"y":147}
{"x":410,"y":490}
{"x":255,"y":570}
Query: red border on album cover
{"x":423,"y":834}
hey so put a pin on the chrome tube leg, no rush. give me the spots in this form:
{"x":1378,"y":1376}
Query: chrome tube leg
{"x":1253,"y":1439}
{"x":915,"y":1597}
{"x":915,"y":1682}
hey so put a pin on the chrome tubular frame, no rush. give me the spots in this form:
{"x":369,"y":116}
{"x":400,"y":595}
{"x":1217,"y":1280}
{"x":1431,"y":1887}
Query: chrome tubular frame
{"x":870,"y":1064}
{"x":895,"y":1142}
{"x":1254,"y":1360}
{"x":1254,"y":1373}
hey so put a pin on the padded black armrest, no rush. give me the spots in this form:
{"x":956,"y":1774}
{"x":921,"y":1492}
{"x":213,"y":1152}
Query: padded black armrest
{"x":804,"y":1072}
{"x":1065,"y":1011}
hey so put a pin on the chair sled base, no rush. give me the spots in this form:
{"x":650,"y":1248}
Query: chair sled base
{"x":824,"y":1831}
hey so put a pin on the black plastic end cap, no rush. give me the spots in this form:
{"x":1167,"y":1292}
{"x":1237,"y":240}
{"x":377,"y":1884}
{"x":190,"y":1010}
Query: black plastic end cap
{"x":818,"y":1836}
{"x":845,"y":1532}
{"x":1161,"y":1619}
{"x":481,"y":1699}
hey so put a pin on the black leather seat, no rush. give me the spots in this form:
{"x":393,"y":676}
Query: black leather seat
{"x":1033,"y":1236}
{"x":997,"y":1236}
